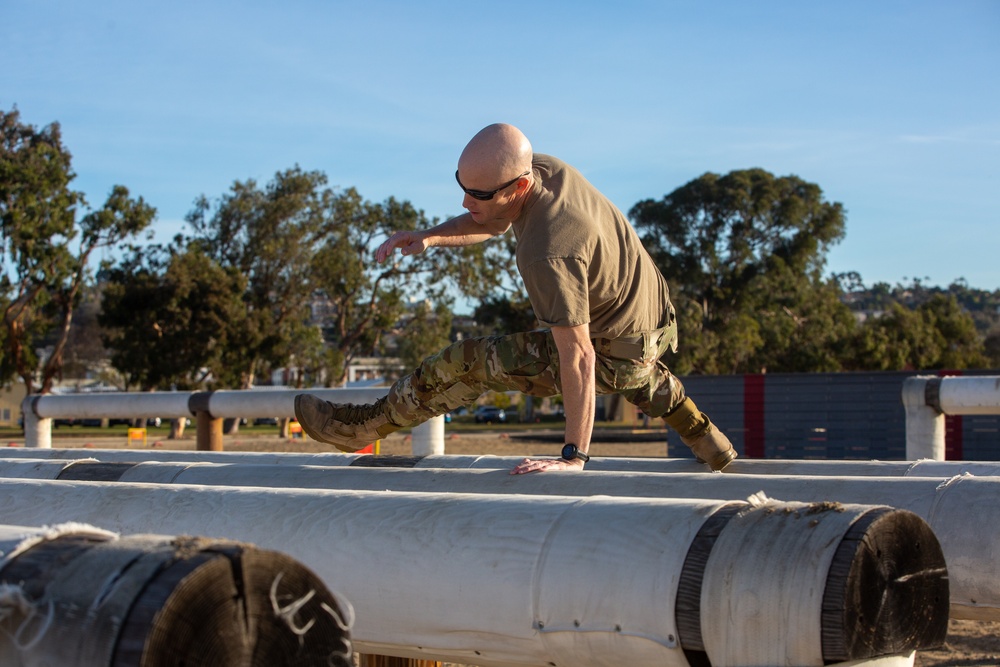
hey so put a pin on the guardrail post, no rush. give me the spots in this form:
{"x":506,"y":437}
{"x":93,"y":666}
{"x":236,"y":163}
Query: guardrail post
{"x":925,"y":426}
{"x":428,"y":437}
{"x":37,"y":431}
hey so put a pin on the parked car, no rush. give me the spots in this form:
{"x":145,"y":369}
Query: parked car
{"x":488,"y":414}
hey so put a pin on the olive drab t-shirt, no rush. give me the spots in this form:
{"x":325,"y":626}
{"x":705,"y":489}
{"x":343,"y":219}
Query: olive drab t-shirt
{"x":581,"y":260}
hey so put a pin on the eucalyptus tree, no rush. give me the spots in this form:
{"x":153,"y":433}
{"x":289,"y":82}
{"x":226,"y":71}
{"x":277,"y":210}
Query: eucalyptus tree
{"x":267,"y":235}
{"x":167,"y":317}
{"x":938,"y":334}
{"x":308,"y":254}
{"x":743,"y":254}
{"x":48,"y":237}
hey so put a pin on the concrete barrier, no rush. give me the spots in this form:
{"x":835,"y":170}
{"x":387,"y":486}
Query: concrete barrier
{"x":76,"y":595}
{"x":571,"y":581}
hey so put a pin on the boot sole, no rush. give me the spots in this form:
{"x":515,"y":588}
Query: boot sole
{"x":729,"y":457}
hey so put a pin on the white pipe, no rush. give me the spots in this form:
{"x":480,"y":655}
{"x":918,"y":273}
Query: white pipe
{"x":970,"y":395}
{"x":520,"y":580}
{"x":39,"y":410}
{"x":971,"y":549}
{"x":924,"y":468}
{"x":928,"y":399}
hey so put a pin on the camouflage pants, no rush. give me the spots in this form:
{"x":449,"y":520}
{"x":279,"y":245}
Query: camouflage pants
{"x":529,"y":362}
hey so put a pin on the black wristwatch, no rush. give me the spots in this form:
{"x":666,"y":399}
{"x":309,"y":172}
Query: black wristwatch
{"x":571,"y":451}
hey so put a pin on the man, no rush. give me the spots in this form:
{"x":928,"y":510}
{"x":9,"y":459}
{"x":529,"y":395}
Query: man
{"x":591,"y":283}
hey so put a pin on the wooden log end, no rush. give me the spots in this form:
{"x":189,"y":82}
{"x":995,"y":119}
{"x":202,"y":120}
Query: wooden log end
{"x":155,"y":601}
{"x":887,"y":589}
{"x":234,"y":605}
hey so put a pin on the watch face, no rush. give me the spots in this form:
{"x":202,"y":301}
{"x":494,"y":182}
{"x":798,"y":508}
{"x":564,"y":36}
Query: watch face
{"x":569,"y":452}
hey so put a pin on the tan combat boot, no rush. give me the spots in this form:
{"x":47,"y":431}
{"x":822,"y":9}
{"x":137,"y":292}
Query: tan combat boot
{"x":712,"y":447}
{"x":709,"y":444}
{"x":346,"y":426}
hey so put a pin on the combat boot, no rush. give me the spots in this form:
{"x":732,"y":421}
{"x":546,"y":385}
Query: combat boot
{"x":712,"y":447}
{"x":709,"y":444}
{"x":346,"y":426}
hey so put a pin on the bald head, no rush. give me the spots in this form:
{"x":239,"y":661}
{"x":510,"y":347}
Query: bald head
{"x":497,"y":153}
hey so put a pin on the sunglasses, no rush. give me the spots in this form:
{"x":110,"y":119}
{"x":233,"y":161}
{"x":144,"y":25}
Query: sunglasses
{"x":486,"y":195}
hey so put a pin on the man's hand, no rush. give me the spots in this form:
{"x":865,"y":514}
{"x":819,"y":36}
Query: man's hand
{"x":409,"y":243}
{"x":541,"y":465}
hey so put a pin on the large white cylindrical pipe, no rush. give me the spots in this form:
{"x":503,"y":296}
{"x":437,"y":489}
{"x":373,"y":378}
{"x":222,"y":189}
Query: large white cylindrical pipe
{"x":540,"y":580}
{"x":109,"y":405}
{"x":75,"y":595}
{"x":970,"y":548}
{"x":969,"y":395}
{"x":280,"y":402}
{"x":924,"y":468}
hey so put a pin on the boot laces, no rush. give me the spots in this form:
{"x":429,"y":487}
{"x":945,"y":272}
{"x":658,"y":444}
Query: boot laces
{"x":349,"y":413}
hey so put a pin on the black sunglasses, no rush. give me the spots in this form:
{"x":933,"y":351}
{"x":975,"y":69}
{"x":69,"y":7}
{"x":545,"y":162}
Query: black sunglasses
{"x":486,"y":195}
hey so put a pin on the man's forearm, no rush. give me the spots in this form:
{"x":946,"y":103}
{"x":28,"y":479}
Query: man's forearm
{"x":576,"y":374}
{"x":461,"y":231}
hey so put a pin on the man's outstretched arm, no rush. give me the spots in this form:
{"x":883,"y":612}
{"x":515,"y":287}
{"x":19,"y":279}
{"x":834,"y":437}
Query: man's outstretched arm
{"x":458,"y":231}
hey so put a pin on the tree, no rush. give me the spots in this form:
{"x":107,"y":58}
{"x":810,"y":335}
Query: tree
{"x":427,"y":332}
{"x":46,"y":251}
{"x":167,"y":320}
{"x":503,"y":314}
{"x":937,"y":334}
{"x":85,"y":351}
{"x":268,"y":236}
{"x":743,"y":254}
{"x":302,"y":245}
{"x":365,"y":298}
{"x":914,"y":325}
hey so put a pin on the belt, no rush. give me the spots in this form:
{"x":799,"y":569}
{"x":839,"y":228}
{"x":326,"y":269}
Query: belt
{"x":645,"y":346}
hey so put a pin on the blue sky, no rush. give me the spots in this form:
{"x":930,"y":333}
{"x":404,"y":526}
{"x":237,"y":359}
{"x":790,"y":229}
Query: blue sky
{"x":893,"y":108}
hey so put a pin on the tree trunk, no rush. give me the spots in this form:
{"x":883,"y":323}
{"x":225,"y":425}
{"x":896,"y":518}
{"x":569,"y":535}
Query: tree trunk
{"x":177,"y":428}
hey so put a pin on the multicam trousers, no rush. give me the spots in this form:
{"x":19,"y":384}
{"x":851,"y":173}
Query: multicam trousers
{"x":529,"y":362}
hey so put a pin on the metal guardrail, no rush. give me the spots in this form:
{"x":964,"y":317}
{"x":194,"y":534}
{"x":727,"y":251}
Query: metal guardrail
{"x":929,"y":398}
{"x":209,"y":408}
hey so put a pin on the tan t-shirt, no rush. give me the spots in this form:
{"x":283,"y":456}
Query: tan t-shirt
{"x":581,"y":260}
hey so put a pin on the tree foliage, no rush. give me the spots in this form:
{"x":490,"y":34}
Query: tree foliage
{"x":46,"y":250}
{"x":912,"y":325}
{"x":297,"y":245}
{"x":283,"y":275}
{"x":167,"y":320}
{"x":743,"y":254}
{"x":266,"y":235}
{"x":426,"y":332}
